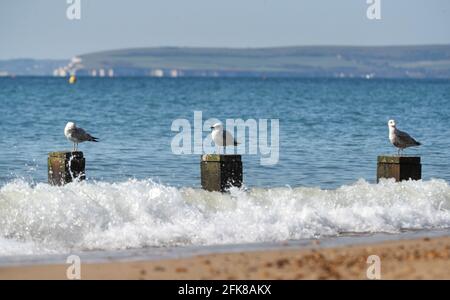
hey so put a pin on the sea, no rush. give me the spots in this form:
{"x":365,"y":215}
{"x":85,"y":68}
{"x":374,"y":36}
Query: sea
{"x":140,"y":193}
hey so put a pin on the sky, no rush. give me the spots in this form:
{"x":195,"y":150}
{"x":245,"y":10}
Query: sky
{"x":41,"y":29}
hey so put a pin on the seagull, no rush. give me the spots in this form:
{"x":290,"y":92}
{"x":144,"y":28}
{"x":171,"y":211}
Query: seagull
{"x":222,"y":137}
{"x":77,"y":135}
{"x":400,"y":139}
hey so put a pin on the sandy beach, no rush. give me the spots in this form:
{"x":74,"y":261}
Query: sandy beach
{"x":425,"y":258}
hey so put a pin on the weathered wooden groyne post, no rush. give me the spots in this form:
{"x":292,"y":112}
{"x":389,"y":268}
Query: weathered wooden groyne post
{"x":64,"y":167}
{"x":399,"y":167}
{"x":220,"y":172}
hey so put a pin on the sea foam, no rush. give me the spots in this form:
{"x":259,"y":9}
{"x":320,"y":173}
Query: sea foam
{"x":39,"y":218}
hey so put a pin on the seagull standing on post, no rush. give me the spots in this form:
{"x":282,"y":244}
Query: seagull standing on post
{"x":222,"y":137}
{"x":400,"y":139}
{"x":77,"y":135}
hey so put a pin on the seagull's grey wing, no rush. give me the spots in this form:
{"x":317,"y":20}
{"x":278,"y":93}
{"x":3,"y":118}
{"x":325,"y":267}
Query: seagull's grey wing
{"x":81,"y":135}
{"x":405,"y":139}
{"x":228,"y":139}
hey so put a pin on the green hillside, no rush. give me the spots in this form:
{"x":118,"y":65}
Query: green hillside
{"x":324,"y":61}
{"x":400,"y":61}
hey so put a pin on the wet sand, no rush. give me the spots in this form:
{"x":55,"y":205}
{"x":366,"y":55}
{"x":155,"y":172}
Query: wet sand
{"x":424,"y":258}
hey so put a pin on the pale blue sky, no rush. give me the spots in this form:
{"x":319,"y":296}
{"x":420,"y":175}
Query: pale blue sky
{"x":40,"y":29}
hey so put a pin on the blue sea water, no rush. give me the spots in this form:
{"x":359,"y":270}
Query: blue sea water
{"x":331,"y":130}
{"x":139,"y":194}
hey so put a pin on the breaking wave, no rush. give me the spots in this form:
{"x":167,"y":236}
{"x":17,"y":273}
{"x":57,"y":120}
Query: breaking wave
{"x":39,"y":218}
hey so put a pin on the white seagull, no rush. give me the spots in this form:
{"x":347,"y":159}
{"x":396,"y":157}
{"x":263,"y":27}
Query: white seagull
{"x":400,"y":139}
{"x":222,"y":137}
{"x":77,"y":135}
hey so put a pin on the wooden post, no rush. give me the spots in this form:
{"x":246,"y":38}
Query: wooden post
{"x":220,"y":172}
{"x":399,"y":167}
{"x":64,"y":167}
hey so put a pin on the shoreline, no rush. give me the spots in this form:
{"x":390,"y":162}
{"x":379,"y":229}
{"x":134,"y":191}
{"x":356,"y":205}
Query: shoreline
{"x":418,"y":255}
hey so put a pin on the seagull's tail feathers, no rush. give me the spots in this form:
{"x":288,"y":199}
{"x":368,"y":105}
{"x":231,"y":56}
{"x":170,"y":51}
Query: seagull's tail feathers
{"x":92,"y":139}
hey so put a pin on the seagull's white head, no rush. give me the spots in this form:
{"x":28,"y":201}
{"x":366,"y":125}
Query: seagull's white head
{"x":217,"y":126}
{"x":391,"y":124}
{"x":69,"y":126}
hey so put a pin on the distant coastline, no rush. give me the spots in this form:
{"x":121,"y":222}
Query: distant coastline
{"x":428,"y":61}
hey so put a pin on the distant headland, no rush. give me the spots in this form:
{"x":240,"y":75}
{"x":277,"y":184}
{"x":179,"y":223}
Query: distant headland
{"x":428,"y":61}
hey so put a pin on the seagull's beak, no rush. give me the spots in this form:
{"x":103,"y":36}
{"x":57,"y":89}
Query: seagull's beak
{"x":212,"y":127}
